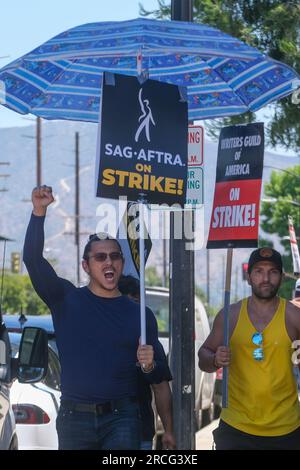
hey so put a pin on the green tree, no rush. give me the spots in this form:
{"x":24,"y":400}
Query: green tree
{"x":271,"y":26}
{"x":34,"y":305}
{"x":14,"y":297}
{"x":19,"y":295}
{"x":211,"y":311}
{"x":282,"y":198}
{"x":152,"y":278}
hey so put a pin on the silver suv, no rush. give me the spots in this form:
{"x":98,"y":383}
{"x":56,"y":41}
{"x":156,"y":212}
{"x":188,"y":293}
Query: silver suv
{"x":157,"y":298}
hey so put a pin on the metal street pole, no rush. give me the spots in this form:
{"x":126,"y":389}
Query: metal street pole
{"x":182,"y":322}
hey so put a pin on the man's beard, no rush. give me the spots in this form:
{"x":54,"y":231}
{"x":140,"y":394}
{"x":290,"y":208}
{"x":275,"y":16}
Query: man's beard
{"x":258,"y":292}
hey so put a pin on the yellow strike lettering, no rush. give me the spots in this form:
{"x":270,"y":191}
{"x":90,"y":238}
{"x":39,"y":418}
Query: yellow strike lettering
{"x":135,"y":181}
{"x":108,"y":177}
{"x":146,"y":182}
{"x":155,"y":183}
{"x":144,"y":168}
{"x":180,"y":187}
{"x":171,"y":185}
{"x":122,"y":175}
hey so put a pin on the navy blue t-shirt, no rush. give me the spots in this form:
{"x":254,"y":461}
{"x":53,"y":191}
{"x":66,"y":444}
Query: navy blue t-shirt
{"x":97,"y":337}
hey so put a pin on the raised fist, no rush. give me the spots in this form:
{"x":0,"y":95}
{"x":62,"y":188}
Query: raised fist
{"x":41,"y":197}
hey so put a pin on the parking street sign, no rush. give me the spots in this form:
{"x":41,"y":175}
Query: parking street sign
{"x":195,"y":182}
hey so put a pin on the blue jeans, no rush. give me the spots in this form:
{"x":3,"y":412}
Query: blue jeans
{"x":119,"y":429}
{"x":146,"y":445}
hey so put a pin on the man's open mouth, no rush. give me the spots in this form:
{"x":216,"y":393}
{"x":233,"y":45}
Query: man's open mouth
{"x":109,"y":275}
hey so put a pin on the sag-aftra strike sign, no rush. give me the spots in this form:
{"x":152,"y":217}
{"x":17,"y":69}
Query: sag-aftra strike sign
{"x":235,"y":215}
{"x":143,"y":144}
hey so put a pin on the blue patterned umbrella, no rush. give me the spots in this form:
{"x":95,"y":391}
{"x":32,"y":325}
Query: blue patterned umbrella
{"x":218,"y":74}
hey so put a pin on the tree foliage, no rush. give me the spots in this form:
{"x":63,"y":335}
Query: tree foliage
{"x":282,"y":199}
{"x":20,"y":296}
{"x":271,"y":26}
{"x":152,"y":278}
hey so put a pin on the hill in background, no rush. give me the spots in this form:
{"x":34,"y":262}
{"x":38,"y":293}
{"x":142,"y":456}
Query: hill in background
{"x":58,"y":170}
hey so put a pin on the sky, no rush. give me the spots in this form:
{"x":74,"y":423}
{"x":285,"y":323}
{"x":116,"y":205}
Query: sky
{"x":27,"y":24}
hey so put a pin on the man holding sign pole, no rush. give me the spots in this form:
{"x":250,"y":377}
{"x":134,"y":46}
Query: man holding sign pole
{"x":97,"y":333}
{"x":263,"y":410}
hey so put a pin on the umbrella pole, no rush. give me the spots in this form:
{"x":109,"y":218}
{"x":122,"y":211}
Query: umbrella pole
{"x":142,"y":269}
{"x":226,"y":324}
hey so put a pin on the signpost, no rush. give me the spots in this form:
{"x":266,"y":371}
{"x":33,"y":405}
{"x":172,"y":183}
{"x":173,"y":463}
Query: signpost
{"x":182,"y":308}
{"x":195,"y":182}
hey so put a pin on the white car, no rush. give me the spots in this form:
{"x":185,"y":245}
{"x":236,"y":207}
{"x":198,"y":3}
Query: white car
{"x":35,"y":406}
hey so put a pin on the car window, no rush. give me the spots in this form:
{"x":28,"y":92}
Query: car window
{"x":52,"y":378}
{"x":159,"y":304}
{"x":15,"y":339}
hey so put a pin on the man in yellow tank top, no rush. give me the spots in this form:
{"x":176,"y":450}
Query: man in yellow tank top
{"x":263,"y":407}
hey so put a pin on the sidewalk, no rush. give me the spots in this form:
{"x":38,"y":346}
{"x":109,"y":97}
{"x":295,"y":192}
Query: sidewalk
{"x":204,"y":437}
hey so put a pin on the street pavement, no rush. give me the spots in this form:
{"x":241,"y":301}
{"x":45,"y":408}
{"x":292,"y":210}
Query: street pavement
{"x":204,"y":437}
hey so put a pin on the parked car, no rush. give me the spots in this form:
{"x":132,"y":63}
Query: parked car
{"x":36,"y":406}
{"x":8,"y":436}
{"x":157,"y":298}
{"x":30,"y":367}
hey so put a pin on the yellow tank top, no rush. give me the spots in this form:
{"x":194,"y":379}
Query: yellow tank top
{"x":262,"y":395}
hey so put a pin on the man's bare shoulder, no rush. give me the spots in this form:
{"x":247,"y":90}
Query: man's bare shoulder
{"x":293,"y":313}
{"x":295,"y":302}
{"x":292,"y":310}
{"x":234,"y":310}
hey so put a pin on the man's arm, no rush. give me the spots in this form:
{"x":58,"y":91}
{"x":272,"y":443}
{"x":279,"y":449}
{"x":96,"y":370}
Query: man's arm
{"x":43,"y":277}
{"x":163,"y":403}
{"x":212,"y":354}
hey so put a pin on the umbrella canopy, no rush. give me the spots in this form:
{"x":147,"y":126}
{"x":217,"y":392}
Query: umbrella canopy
{"x":219,"y":75}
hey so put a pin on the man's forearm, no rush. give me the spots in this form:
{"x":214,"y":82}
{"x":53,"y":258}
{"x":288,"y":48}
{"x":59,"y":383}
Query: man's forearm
{"x":39,"y":211}
{"x":34,"y":240}
{"x":163,"y":402}
{"x":207,"y":360}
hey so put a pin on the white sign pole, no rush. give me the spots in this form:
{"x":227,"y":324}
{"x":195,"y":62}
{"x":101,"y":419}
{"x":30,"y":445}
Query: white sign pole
{"x":142,"y":271}
{"x":294,"y":247}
